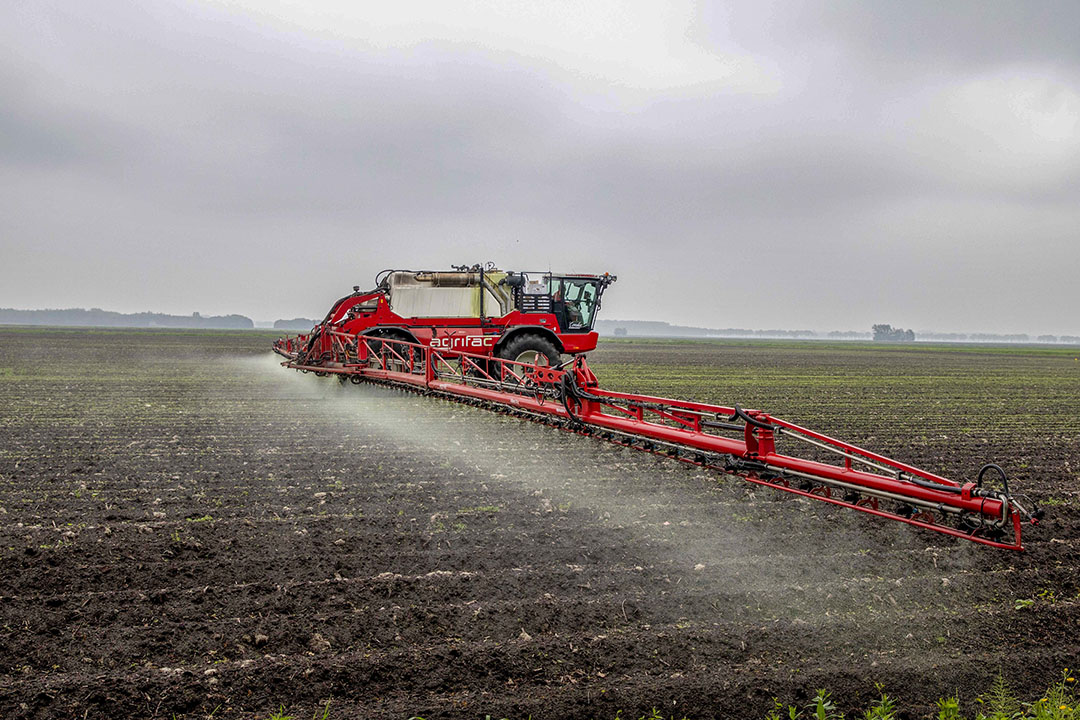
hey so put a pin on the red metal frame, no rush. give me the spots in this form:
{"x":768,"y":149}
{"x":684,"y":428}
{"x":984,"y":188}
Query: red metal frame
{"x":737,"y":441}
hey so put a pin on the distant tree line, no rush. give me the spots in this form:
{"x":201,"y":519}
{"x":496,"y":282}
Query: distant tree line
{"x":1001,"y":338}
{"x":96,"y":317}
{"x":887,"y":333}
{"x":993,"y":337}
{"x":656,"y":328}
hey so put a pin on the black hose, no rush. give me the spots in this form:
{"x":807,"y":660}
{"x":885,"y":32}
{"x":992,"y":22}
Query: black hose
{"x":993,"y":466}
{"x":566,"y":405}
{"x":569,"y":389}
{"x":381,"y":276}
{"x":930,"y":484}
{"x":740,"y":413}
{"x":304,"y":356}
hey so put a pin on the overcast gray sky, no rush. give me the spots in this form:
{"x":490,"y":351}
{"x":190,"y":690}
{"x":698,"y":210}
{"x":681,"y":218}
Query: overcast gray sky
{"x":822,"y":165}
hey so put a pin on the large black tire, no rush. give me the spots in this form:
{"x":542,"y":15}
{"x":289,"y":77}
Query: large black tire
{"x":392,"y":363}
{"x":532,"y":349}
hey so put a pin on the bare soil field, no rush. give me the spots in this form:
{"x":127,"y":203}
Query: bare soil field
{"x":187,"y":529}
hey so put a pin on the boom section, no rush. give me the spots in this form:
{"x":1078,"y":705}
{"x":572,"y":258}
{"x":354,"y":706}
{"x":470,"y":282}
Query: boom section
{"x":731,"y":439}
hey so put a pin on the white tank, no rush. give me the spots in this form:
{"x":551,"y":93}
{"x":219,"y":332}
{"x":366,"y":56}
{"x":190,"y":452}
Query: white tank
{"x":447,"y":294}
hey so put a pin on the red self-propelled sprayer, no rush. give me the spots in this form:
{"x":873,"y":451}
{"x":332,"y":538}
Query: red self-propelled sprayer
{"x":497,"y":339}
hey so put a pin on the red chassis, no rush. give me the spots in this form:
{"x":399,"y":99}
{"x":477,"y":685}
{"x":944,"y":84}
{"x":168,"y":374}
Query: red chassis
{"x":731,"y":439}
{"x":476,"y":335}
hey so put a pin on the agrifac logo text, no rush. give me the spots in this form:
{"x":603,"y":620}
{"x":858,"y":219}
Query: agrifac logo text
{"x":463,"y":342}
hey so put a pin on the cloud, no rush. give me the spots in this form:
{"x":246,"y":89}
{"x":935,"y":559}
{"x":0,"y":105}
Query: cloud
{"x":805,"y":155}
{"x":1009,"y":129}
{"x":648,"y":47}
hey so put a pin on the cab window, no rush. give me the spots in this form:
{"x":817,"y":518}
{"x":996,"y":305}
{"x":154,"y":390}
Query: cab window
{"x":578,"y":297}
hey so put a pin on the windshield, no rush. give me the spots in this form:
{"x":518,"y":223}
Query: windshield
{"x":580,"y":295}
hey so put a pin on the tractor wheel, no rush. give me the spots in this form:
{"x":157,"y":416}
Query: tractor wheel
{"x":531,"y":349}
{"x":387,"y":351}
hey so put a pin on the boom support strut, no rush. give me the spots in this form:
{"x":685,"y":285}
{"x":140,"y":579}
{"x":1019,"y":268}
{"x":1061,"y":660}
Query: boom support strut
{"x":731,"y":439}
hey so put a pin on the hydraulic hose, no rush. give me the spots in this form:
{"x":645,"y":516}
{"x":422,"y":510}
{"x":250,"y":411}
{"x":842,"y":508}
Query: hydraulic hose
{"x":569,"y":389}
{"x":304,"y":356}
{"x":380,"y":277}
{"x":993,"y":466}
{"x":740,"y":413}
{"x":931,"y":485}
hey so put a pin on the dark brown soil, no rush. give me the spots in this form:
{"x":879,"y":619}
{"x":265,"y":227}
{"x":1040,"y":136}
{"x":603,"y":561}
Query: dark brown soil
{"x":188,"y":527}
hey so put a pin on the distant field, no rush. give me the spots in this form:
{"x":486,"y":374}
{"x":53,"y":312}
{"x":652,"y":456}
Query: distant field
{"x":188,"y":529}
